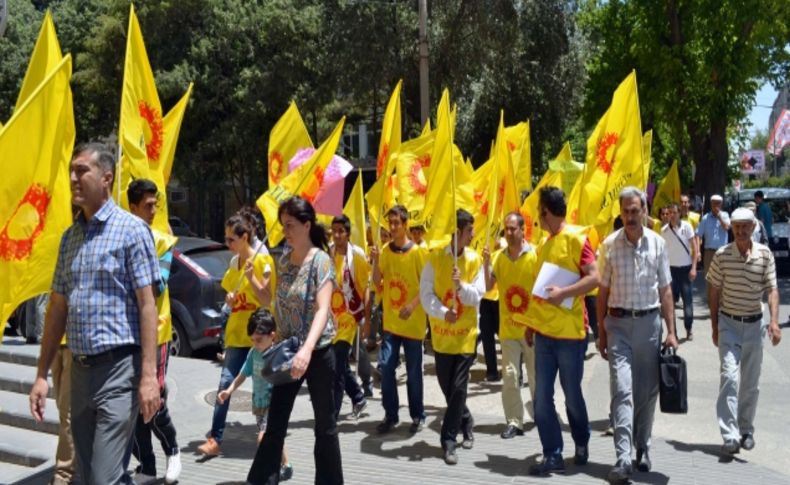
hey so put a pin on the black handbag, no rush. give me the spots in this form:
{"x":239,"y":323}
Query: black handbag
{"x":672,"y":382}
{"x":279,"y":359}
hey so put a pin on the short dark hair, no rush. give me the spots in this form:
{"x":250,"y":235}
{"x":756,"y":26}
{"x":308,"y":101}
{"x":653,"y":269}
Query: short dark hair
{"x":400,"y":211}
{"x":463,"y":219}
{"x":104,"y":155}
{"x":518,"y":216}
{"x":759,"y":194}
{"x":553,"y":200}
{"x":344,"y":220}
{"x":261,"y":321}
{"x":140,"y":188}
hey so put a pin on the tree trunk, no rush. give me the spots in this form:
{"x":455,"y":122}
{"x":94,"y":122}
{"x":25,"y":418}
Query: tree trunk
{"x":711,"y":153}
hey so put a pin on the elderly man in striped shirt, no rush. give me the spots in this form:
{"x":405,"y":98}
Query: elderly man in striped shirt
{"x":740,"y":273}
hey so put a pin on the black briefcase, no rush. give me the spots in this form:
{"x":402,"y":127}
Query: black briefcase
{"x":672,"y":382}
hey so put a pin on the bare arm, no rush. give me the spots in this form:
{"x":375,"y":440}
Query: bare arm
{"x":668,"y":312}
{"x":600,"y":311}
{"x":149,"y":387}
{"x":773,"y":307}
{"x":586,"y":284}
{"x":226,"y":393}
{"x":54,"y":328}
{"x":714,"y":293}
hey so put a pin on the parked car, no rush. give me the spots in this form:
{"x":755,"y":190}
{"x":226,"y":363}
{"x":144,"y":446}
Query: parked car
{"x":778,"y":200}
{"x":196,"y":296}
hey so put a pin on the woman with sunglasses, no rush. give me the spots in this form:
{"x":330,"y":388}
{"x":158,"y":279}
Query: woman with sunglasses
{"x":246,"y":281}
{"x":303,"y":294}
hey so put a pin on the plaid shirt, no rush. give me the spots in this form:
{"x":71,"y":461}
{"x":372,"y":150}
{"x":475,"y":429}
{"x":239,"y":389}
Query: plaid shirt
{"x":101,"y":262}
{"x":634,"y":273}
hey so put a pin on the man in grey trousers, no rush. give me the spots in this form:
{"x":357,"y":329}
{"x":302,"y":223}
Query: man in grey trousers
{"x":635,"y":283}
{"x":740,"y":274}
{"x":103,"y":299}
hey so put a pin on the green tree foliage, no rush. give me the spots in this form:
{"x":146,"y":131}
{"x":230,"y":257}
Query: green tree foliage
{"x":699,"y":64}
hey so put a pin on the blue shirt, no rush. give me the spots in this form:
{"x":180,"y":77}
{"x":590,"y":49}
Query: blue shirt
{"x":261,"y":388}
{"x":101,"y":262}
{"x":710,"y":229}
{"x":767,"y":218}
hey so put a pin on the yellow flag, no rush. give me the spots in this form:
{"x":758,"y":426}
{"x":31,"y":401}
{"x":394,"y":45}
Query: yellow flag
{"x":46,"y":56}
{"x":519,"y":143}
{"x":614,"y":157}
{"x":390,"y":131}
{"x":411,"y":166}
{"x":560,"y":168}
{"x":288,"y":136}
{"x":381,"y":197}
{"x":571,"y":171}
{"x":172,"y":123}
{"x":668,"y":190}
{"x":355,"y":211}
{"x":35,"y":198}
{"x":305,"y":182}
{"x":647,"y":142}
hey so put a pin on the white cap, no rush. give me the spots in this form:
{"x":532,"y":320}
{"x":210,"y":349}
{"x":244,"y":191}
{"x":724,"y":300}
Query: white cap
{"x":716,"y":198}
{"x":742,"y":214}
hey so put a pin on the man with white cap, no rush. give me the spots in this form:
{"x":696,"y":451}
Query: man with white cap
{"x":739,"y":274}
{"x":713,"y":230}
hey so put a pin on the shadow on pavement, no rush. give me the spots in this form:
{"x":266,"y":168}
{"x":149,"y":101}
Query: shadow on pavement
{"x":708,"y":449}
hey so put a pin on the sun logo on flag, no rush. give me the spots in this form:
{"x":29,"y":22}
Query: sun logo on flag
{"x":398,"y":293}
{"x":574,"y":218}
{"x":501,"y":193}
{"x":604,"y":156}
{"x":458,"y":307}
{"x":516,"y":299}
{"x":154,"y":132}
{"x":338,"y":302}
{"x":25,"y":224}
{"x":383,"y":153}
{"x":311,"y":193}
{"x":416,"y":178}
{"x":511,"y":146}
{"x":275,"y":165}
{"x":529,"y":226}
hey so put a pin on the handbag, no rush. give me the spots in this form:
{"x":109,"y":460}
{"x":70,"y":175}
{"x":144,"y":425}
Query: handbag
{"x":672,"y":382}
{"x":280,"y":357}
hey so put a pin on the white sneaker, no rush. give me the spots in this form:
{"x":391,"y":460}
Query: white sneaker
{"x":142,"y":478}
{"x":173,"y":468}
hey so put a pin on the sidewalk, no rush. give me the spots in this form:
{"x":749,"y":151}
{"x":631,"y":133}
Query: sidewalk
{"x":685,"y":448}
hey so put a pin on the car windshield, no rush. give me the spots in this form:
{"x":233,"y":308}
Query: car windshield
{"x":779,"y":209}
{"x":213,"y":262}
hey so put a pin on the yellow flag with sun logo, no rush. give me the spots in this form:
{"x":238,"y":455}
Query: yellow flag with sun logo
{"x":288,"y":136}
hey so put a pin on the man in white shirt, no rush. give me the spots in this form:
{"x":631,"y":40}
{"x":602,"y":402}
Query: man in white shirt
{"x":683,"y":250}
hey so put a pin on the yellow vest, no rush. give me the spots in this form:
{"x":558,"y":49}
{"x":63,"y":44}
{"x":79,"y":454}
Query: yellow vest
{"x":246,"y":301}
{"x":564,"y":250}
{"x":401,"y":273}
{"x":515,"y":278}
{"x":459,"y":337}
{"x":163,"y":243}
{"x":346,"y":324}
{"x":693,"y":219}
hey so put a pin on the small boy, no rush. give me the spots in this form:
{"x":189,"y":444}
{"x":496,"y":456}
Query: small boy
{"x":260,"y":328}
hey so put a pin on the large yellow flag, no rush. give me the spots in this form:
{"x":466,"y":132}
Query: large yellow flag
{"x":355,"y":211}
{"x":668,"y":190}
{"x":172,"y":124}
{"x":411,"y":166}
{"x":46,"y":56}
{"x":571,"y":171}
{"x":35,"y":198}
{"x":647,"y":143}
{"x":288,"y":136}
{"x":614,"y":156}
{"x":519,"y":143}
{"x":554,"y":177}
{"x":305,"y":182}
{"x":390,"y":131}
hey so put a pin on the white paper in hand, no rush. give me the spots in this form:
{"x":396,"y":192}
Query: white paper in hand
{"x":552,"y":275}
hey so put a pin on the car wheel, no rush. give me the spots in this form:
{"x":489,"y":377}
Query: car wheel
{"x":179,"y":345}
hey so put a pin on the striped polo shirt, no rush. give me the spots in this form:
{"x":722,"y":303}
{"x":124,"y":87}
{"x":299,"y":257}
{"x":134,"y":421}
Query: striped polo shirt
{"x":742,"y":279}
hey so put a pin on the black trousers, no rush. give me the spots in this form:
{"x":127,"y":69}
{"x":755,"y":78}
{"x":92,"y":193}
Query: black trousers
{"x":489,"y":326}
{"x":590,"y":303}
{"x":452,"y":371}
{"x":320,"y":377}
{"x":345,"y":380}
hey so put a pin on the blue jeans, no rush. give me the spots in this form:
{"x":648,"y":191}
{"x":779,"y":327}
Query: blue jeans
{"x":231,"y":366}
{"x":389,"y":360}
{"x":567,"y":357}
{"x":681,"y":288}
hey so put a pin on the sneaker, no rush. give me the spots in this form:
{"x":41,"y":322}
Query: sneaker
{"x":450,"y":456}
{"x":609,"y":431}
{"x":356,"y":409}
{"x":643,"y":463}
{"x":547,"y":466}
{"x":143,"y":479}
{"x":286,"y":472}
{"x":386,"y":426}
{"x":173,"y":468}
{"x":747,"y":442}
{"x":209,"y":448}
{"x":416,"y":425}
{"x":731,"y":448}
{"x":689,"y":336}
{"x":469,"y":436}
{"x":582,"y":455}
{"x":620,"y":473}
{"x":511,"y":432}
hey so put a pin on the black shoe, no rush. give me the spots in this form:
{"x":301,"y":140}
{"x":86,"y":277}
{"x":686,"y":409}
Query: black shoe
{"x":469,"y":440}
{"x":547,"y":466}
{"x":582,"y":455}
{"x":416,"y":425}
{"x":356,"y":409}
{"x":731,"y":448}
{"x":286,"y":472}
{"x":643,"y":463}
{"x":493,"y":377}
{"x":450,"y":456}
{"x":620,"y":473}
{"x":386,"y":426}
{"x":367,"y":390}
{"x":747,"y":442}
{"x":511,"y":432}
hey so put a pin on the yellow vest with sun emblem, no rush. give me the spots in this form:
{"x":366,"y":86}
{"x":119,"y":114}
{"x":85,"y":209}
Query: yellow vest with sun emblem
{"x":459,"y":337}
{"x":345,"y":321}
{"x":564,"y":250}
{"x":515,"y":279}
{"x":401,"y":273}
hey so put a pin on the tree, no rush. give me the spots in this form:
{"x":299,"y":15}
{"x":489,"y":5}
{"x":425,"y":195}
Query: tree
{"x":698,"y":65}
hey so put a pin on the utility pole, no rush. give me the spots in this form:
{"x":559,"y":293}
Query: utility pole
{"x":424,"y":101}
{"x":3,"y":16}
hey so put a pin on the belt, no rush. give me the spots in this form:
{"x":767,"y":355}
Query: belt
{"x":745,"y":318}
{"x":627,"y":312}
{"x":105,"y":357}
